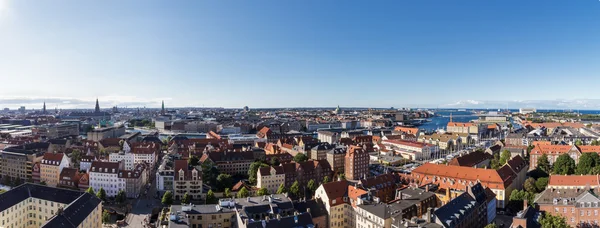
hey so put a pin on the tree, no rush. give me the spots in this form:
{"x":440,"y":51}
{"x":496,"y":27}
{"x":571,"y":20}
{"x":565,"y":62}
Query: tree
{"x":224,"y":181}
{"x":529,"y":148}
{"x":564,"y":165}
{"x":263,"y":192}
{"x":121,"y":196}
{"x":167,"y":198}
{"x":186,"y":198}
{"x":243,"y":193}
{"x":193,"y":161}
{"x":586,"y":162}
{"x":275,"y":161}
{"x":105,"y":217}
{"x":210,"y":197}
{"x":491,"y":225}
{"x":101,"y":194}
{"x":227,"y":193}
{"x":90,"y":190}
{"x":281,"y":189}
{"x":529,"y":185}
{"x":295,"y":189}
{"x":504,"y":157}
{"x":41,"y":183}
{"x":342,"y":176}
{"x":541,"y":183}
{"x":517,"y":197}
{"x":548,"y":220}
{"x":312,"y":186}
{"x":209,"y":173}
{"x":578,"y":142}
{"x":595,"y":143}
{"x":75,"y":157}
{"x":495,"y":162}
{"x":543,"y":163}
{"x":595,"y":170}
{"x":325,"y":179}
{"x":300,"y":157}
{"x":254,"y":169}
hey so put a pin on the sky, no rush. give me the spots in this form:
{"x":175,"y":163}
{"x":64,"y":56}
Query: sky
{"x":300,"y":53}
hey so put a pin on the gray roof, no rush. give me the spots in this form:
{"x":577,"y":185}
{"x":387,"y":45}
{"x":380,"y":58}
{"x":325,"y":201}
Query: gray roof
{"x":385,"y":211}
{"x":24,"y":191}
{"x":456,"y":209}
{"x":75,"y":213}
{"x":296,"y":221}
{"x":416,"y":194}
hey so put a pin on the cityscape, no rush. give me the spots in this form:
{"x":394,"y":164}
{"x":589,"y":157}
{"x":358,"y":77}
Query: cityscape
{"x":299,"y":114}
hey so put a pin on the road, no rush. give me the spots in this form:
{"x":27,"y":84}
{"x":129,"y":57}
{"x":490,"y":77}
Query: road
{"x":142,"y":206}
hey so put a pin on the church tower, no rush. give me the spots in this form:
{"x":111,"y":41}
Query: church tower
{"x":44,"y":108}
{"x":162,"y":111}
{"x":97,"y":106}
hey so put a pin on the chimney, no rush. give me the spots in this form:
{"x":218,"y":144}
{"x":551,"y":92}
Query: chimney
{"x":400,"y":196}
{"x":429,"y":215}
{"x":524,"y":204}
{"x":427,"y":187}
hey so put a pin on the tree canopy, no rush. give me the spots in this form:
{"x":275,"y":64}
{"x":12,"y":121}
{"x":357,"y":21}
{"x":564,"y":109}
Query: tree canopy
{"x":167,"y":198}
{"x":90,"y":190}
{"x":564,"y":165}
{"x":210,"y":197}
{"x":224,"y":181}
{"x":263,"y":192}
{"x":541,"y":183}
{"x":529,"y":185}
{"x":504,"y":157}
{"x":193,"y":161}
{"x":587,"y":161}
{"x":281,"y":189}
{"x":300,"y":157}
{"x":101,"y":194}
{"x":543,"y":163}
{"x":254,"y":169}
{"x":548,"y":220}
{"x":227,"y":193}
{"x":495,"y":162}
{"x":186,"y":198}
{"x":243,"y":193}
{"x":295,"y":189}
{"x":121,"y":196}
{"x":326,"y":180}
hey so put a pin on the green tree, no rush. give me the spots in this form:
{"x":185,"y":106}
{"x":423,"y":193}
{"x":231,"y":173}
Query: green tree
{"x":101,"y":194}
{"x":75,"y":157}
{"x":243,"y":193}
{"x":325,"y":179}
{"x":595,"y":170}
{"x":342,"y":176}
{"x":209,"y":173}
{"x":167,"y":198}
{"x":300,"y":157}
{"x":518,"y":196}
{"x":121,"y":197}
{"x":578,"y":142}
{"x":564,"y":165}
{"x":551,"y":221}
{"x":529,"y":148}
{"x":587,"y":161}
{"x":543,"y":163}
{"x":90,"y":190}
{"x":193,"y":161}
{"x":495,"y":162}
{"x":227,"y":193}
{"x":595,"y":143}
{"x":281,"y":189}
{"x":529,"y":185}
{"x":312,"y":186}
{"x":541,"y":183}
{"x":275,"y":161}
{"x":263,"y":192}
{"x":224,"y":181}
{"x":295,"y":189}
{"x":186,"y":198}
{"x":491,"y":225}
{"x":504,"y":157}
{"x":254,"y":169}
{"x":105,"y":217}
{"x":210,"y":197}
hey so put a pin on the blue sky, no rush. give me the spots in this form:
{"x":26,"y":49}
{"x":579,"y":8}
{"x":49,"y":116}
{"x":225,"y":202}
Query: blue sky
{"x":424,"y":53}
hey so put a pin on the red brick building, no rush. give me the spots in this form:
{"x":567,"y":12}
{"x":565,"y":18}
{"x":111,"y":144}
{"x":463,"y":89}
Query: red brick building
{"x":356,"y":165}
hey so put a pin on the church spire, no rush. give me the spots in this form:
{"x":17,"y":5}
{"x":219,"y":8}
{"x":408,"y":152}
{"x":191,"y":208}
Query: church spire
{"x":97,"y":106}
{"x":162,"y":111}
{"x":44,"y":109}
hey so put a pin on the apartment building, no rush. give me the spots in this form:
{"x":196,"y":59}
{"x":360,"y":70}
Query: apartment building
{"x":382,"y":186}
{"x":105,"y":175}
{"x":579,"y":206}
{"x":573,"y":181}
{"x":319,"y":152}
{"x":303,"y":172}
{"x":69,"y":178}
{"x":165,"y":175}
{"x":58,"y":130}
{"x":411,"y":150}
{"x":135,"y":180}
{"x":468,"y":210}
{"x":270,"y":178}
{"x":31,"y":205}
{"x":187,"y":180}
{"x":17,"y":162}
{"x":51,"y":166}
{"x":210,"y":215}
{"x":336,"y":159}
{"x":230,"y":162}
{"x":554,"y":151}
{"x":99,"y":134}
{"x":340,"y":201}
{"x":356,"y":165}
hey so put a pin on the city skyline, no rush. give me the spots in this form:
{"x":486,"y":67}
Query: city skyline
{"x":271,"y":54}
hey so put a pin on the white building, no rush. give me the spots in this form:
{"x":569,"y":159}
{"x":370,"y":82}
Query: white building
{"x":131,"y":156}
{"x":411,"y":150}
{"x":127,"y":158}
{"x":106,"y":175}
{"x":165,"y":176}
{"x":527,"y":110}
{"x":86,"y":162}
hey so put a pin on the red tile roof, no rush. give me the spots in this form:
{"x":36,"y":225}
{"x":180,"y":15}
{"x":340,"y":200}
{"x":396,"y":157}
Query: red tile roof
{"x":409,"y":143}
{"x":551,"y":149}
{"x":574,"y":180}
{"x":457,"y":124}
{"x":496,"y":179}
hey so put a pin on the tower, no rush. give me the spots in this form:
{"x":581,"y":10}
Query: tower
{"x":162,"y":111}
{"x":44,"y":108}
{"x":451,"y":117}
{"x":97,"y":106}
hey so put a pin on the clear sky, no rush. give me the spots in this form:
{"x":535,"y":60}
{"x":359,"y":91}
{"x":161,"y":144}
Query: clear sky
{"x":418,"y":53}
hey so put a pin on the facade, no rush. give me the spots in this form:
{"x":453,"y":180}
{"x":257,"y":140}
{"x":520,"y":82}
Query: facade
{"x":303,"y":172}
{"x":356,"y":165}
{"x":319,"y":152}
{"x":331,"y":137}
{"x":270,"y":178}
{"x":165,"y":175}
{"x":411,"y":150}
{"x":86,"y":162}
{"x":230,"y":162}
{"x":336,"y":159}
{"x":187,"y":180}
{"x":382,"y":186}
{"x":106,"y":132}
{"x":579,"y":206}
{"x":477,"y":159}
{"x":17,"y":162}
{"x":59,"y":130}
{"x":210,"y":215}
{"x":553,"y":152}
{"x":105,"y":175}
{"x":135,"y":180}
{"x":340,"y":201}
{"x":573,"y":181}
{"x":423,"y":199}
{"x":69,"y":178}
{"x":31,"y":205}
{"x":51,"y":166}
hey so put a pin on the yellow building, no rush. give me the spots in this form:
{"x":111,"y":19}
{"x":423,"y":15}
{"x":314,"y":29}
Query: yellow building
{"x":31,"y":205}
{"x":270,"y":178}
{"x":51,"y":166}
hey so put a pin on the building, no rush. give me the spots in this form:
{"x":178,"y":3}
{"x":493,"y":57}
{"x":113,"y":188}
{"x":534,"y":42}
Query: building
{"x":209,"y":215}
{"x":316,"y":209}
{"x":477,"y":159}
{"x":31,"y":205}
{"x":187,"y":180}
{"x":99,"y":134}
{"x":579,"y":206}
{"x":272,"y":211}
{"x":573,"y":181}
{"x":423,"y":199}
{"x":319,"y":152}
{"x":58,"y":130}
{"x":502,"y":182}
{"x":165,"y":175}
{"x":382,"y":215}
{"x":469,"y":128}
{"x":105,"y":175}
{"x":17,"y":162}
{"x":69,"y":178}
{"x":411,"y":150}
{"x":270,"y":178}
{"x":51,"y":167}
{"x":135,"y":180}
{"x":527,"y":110}
{"x":468,"y":210}
{"x":382,"y":186}
{"x":331,"y":137}
{"x":230,"y":162}
{"x":336,"y":159}
{"x":340,"y":199}
{"x":553,"y":152}
{"x":303,"y":172}
{"x":356,"y":165}
{"x":85,"y":163}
